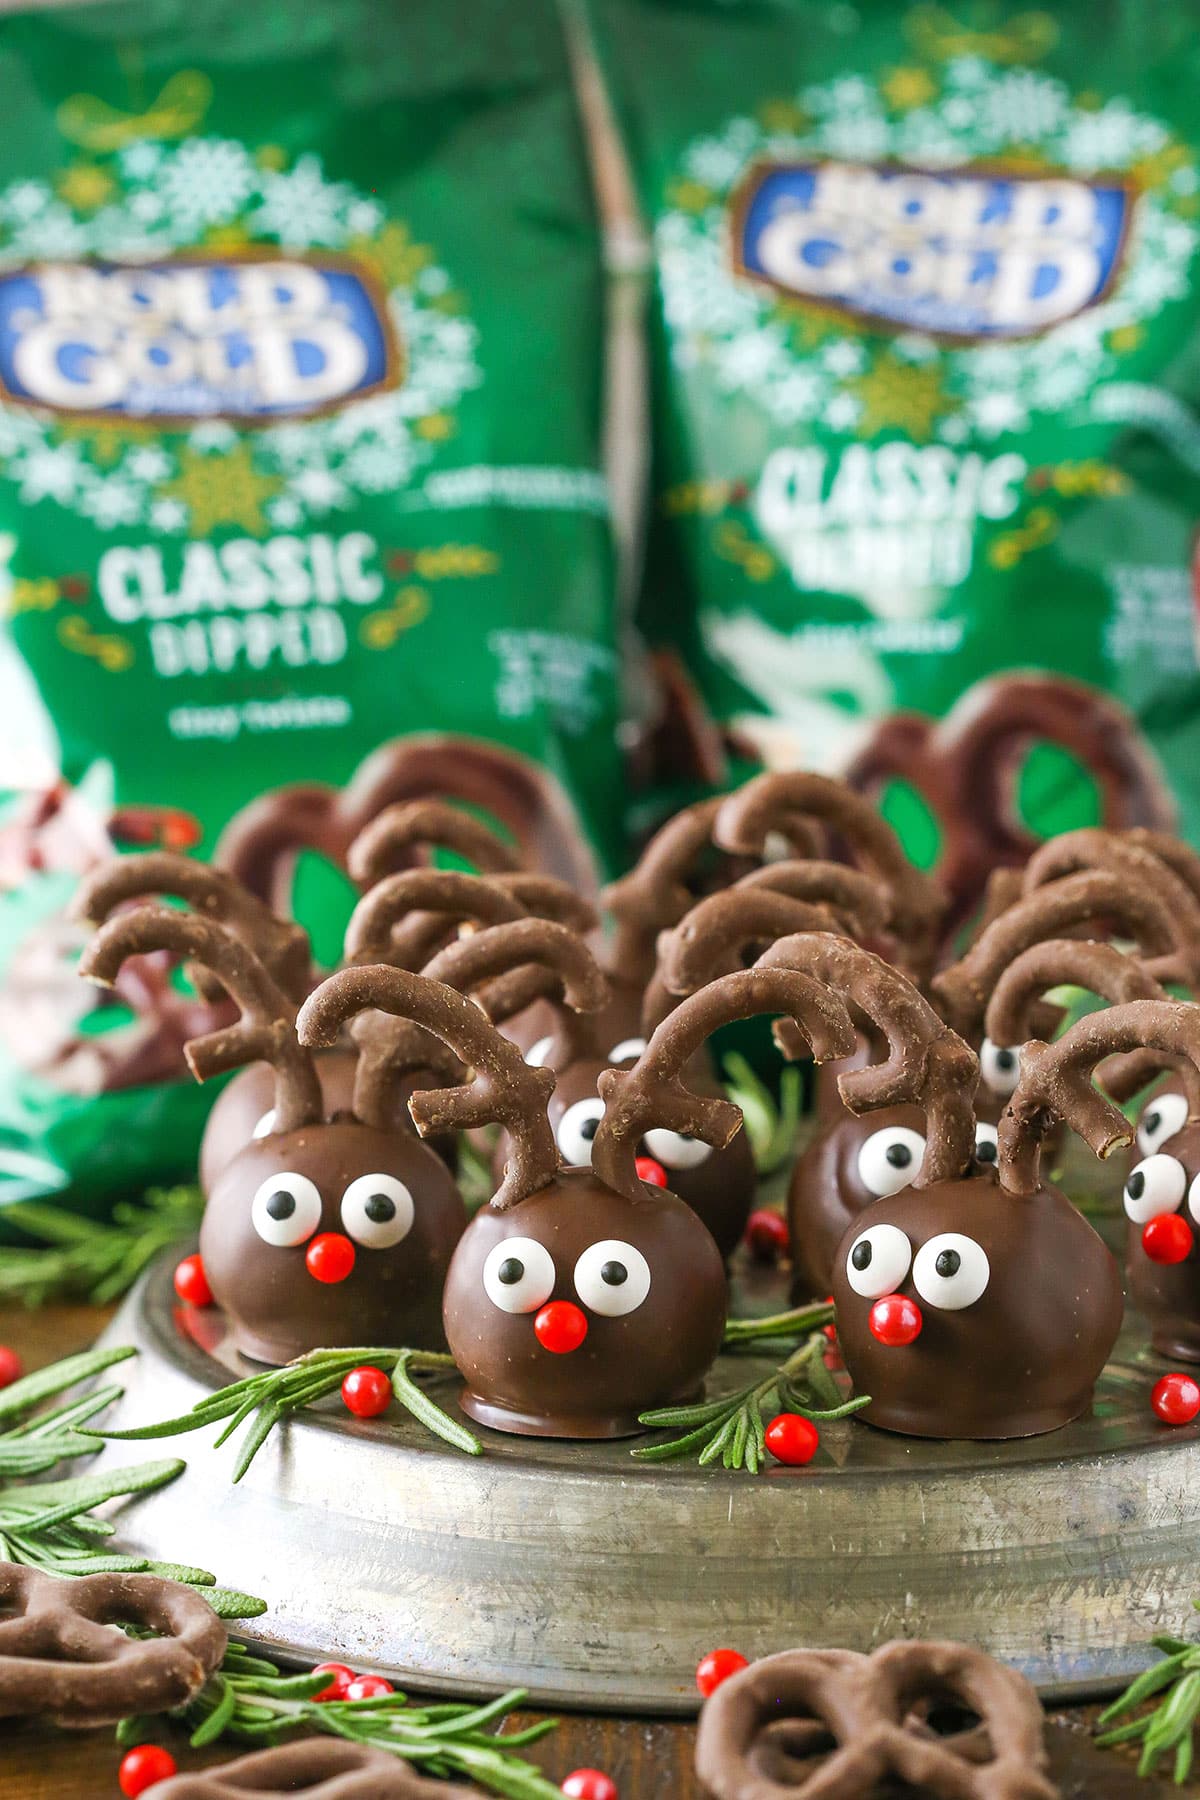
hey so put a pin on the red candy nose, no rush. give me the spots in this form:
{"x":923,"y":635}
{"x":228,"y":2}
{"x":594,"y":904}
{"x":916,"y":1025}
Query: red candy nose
{"x":330,"y":1257}
{"x":1168,"y":1238}
{"x":896,"y":1320}
{"x":651,"y":1171}
{"x":560,"y":1327}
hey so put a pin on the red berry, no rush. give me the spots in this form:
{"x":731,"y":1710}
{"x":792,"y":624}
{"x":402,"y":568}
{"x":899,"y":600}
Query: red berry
{"x":368,"y":1687}
{"x":1168,"y":1238}
{"x":766,"y":1235}
{"x":143,"y":1768}
{"x":367,"y":1392}
{"x":560,"y":1327}
{"x":330,"y":1257}
{"x":340,"y":1677}
{"x":895,"y":1320}
{"x":829,"y":1331}
{"x":191,"y":1283}
{"x":590,"y":1784}
{"x":11,"y":1366}
{"x":650,"y":1170}
{"x":1176,"y":1399}
{"x":717,"y":1667}
{"x":792,"y":1439}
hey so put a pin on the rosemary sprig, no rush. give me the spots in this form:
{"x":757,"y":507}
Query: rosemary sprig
{"x":799,"y":1321}
{"x":1167,"y":1729}
{"x":249,"y":1699}
{"x":770,"y":1124}
{"x":51,"y":1525}
{"x":733,"y":1429}
{"x":268,"y":1398}
{"x":89,"y":1259}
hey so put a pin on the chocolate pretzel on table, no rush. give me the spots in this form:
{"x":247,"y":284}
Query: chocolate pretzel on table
{"x":837,"y":1724}
{"x":321,"y":1768}
{"x":61,"y":1659}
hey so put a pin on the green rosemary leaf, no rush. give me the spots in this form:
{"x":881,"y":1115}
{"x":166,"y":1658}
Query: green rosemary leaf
{"x":63,"y":1500}
{"x":700,"y":1414}
{"x":799,"y":1321}
{"x":215,"y":1724}
{"x":427,"y":1411}
{"x":31,"y":1390}
{"x":1151,"y":1681}
{"x":264,"y":1424}
{"x":92,"y":1259}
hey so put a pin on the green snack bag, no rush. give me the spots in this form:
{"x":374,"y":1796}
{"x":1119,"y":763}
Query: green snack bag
{"x":927,"y":375}
{"x":300,"y":428}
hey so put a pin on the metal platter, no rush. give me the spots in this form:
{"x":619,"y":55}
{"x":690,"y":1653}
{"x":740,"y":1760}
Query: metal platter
{"x":595,"y":1581}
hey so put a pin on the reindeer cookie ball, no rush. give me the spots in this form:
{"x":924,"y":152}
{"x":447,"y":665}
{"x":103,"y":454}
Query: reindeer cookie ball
{"x":978,"y":1303}
{"x":1162,"y":1206}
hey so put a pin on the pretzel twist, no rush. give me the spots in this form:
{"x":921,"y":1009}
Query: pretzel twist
{"x":406,"y":917}
{"x":60,"y":1659}
{"x":653,"y":1092}
{"x":1140,"y":865}
{"x":320,"y":1769}
{"x":264,"y":1032}
{"x":1055,"y":1082}
{"x":1082,"y":962}
{"x":398,"y":836}
{"x":504,"y":1089}
{"x":528,"y":960}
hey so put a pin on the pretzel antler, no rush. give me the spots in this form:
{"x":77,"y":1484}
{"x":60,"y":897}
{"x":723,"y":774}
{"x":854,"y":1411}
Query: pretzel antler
{"x":771,"y":801}
{"x":927,"y":1065}
{"x":655,"y":895}
{"x":653,"y":1091}
{"x":406,"y":917}
{"x":1085,"y":899}
{"x":1138,"y":863}
{"x":546,"y":897}
{"x":1097,"y":968}
{"x":396,"y":838}
{"x":530,"y":960}
{"x":1055,"y":1082}
{"x":264,"y":1033}
{"x":281,"y":945}
{"x":504,"y":1090}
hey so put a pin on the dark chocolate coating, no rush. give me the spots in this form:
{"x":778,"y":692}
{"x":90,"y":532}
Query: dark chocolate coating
{"x":571,"y":1035}
{"x":1024,"y":1357}
{"x":1169,"y":1293}
{"x":653,"y":1356}
{"x":827,"y":1193}
{"x":276,"y":1309}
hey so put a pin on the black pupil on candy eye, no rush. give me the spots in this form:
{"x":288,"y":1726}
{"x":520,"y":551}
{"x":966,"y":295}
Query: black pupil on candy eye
{"x":899,"y":1155}
{"x":860,"y":1256}
{"x":1135,"y":1187}
{"x":511,"y":1271}
{"x":614,"y":1273}
{"x":589,"y":1128}
{"x":986,"y":1150}
{"x":1006,"y":1061}
{"x":1152,"y":1122}
{"x":281,"y":1204}
{"x":948,"y":1263}
{"x":379,"y":1209}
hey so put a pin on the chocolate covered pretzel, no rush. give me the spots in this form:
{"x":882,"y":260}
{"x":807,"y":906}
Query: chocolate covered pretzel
{"x":834,"y":1724}
{"x":319,"y":1768}
{"x":965,"y":767}
{"x":1132,"y":858}
{"x":325,"y":1230}
{"x":61,"y":1659}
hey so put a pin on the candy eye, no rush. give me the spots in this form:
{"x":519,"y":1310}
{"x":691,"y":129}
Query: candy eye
{"x":951,"y":1271}
{"x":577,"y":1128}
{"x":628,"y":1050}
{"x":676,"y":1151}
{"x":377,"y":1211}
{"x":1155,"y":1186}
{"x":889,"y":1159}
{"x":537,"y":1053}
{"x":1163,"y":1117}
{"x":518,"y":1275}
{"x":878,"y":1261}
{"x":612,"y":1278}
{"x":286,"y":1209}
{"x":1000,"y":1068}
{"x":987,"y":1143}
{"x":1194,"y":1199}
{"x":266,"y":1124}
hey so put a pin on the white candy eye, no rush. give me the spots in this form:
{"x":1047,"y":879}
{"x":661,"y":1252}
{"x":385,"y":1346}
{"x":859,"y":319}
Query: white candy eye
{"x":377,"y":1211}
{"x":1155,"y":1186}
{"x":286,"y":1209}
{"x":612,"y":1278}
{"x":889,"y":1159}
{"x":577,"y":1128}
{"x":537,"y":1053}
{"x":266,"y":1124}
{"x":1194,"y":1199}
{"x":628,"y":1050}
{"x":987,"y":1143}
{"x":878,"y":1261}
{"x":1000,"y":1068}
{"x":675,"y":1151}
{"x":518,"y":1275}
{"x":951,"y":1271}
{"x":1163,"y":1117}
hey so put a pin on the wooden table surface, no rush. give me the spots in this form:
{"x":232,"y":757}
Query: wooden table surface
{"x":648,"y":1759}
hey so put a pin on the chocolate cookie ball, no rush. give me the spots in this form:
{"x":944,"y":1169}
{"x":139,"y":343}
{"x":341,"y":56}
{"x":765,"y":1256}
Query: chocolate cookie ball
{"x":1162,"y":1204}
